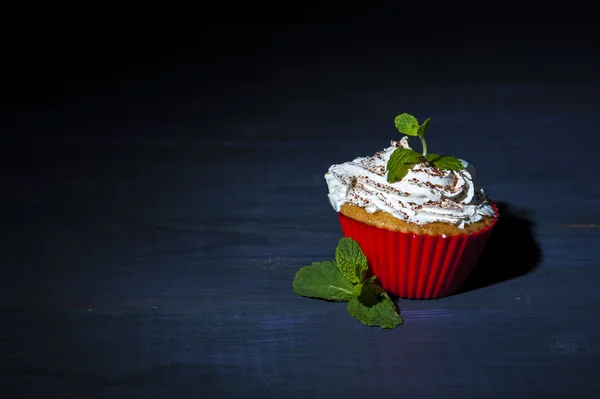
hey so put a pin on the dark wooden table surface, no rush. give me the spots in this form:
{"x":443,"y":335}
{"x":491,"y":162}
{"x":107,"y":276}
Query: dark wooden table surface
{"x":151,"y":228}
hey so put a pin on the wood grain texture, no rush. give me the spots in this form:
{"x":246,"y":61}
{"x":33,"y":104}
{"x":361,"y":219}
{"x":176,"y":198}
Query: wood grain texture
{"x":159,"y":263}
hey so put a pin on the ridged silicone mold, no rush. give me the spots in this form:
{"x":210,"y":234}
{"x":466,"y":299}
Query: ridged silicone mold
{"x":418,"y":266}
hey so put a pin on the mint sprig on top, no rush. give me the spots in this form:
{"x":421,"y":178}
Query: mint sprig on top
{"x":345,"y":280}
{"x":402,"y":159}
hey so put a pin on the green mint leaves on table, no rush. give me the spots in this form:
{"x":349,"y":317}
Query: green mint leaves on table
{"x":323,"y":280}
{"x":402,"y":159}
{"x":345,"y":280}
{"x":351,"y":261}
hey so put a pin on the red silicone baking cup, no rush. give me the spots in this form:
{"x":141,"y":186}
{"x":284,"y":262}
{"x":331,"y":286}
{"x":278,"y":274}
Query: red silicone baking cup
{"x":418,"y":266}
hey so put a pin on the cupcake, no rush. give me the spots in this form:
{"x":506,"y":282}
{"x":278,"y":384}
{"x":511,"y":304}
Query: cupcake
{"x":420,"y":219}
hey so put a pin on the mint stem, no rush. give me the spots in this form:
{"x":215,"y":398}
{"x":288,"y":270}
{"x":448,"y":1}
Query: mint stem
{"x":424,"y":145}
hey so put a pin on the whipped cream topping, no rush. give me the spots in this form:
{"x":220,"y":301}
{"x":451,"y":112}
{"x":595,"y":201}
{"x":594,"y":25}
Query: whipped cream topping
{"x":426,"y":194}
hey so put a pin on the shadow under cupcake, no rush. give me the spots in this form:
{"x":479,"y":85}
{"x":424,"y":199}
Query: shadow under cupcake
{"x":511,"y":251}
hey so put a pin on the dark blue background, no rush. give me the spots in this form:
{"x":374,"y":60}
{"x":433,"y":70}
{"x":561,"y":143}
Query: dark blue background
{"x":163,"y":182}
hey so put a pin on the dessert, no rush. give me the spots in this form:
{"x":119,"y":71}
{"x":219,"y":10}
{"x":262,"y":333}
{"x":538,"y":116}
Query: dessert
{"x":421,"y":219}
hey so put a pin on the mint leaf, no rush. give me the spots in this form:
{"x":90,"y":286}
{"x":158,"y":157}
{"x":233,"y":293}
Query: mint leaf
{"x":445,"y":162}
{"x":407,"y":124}
{"x":432,"y":158}
{"x":422,"y":128}
{"x":369,"y":293}
{"x":381,"y":313}
{"x":351,"y":260}
{"x":358,"y":289}
{"x":323,"y":280}
{"x":400,"y":162}
{"x":374,"y":286}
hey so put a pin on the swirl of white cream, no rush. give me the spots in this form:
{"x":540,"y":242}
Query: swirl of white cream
{"x":426,"y":194}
